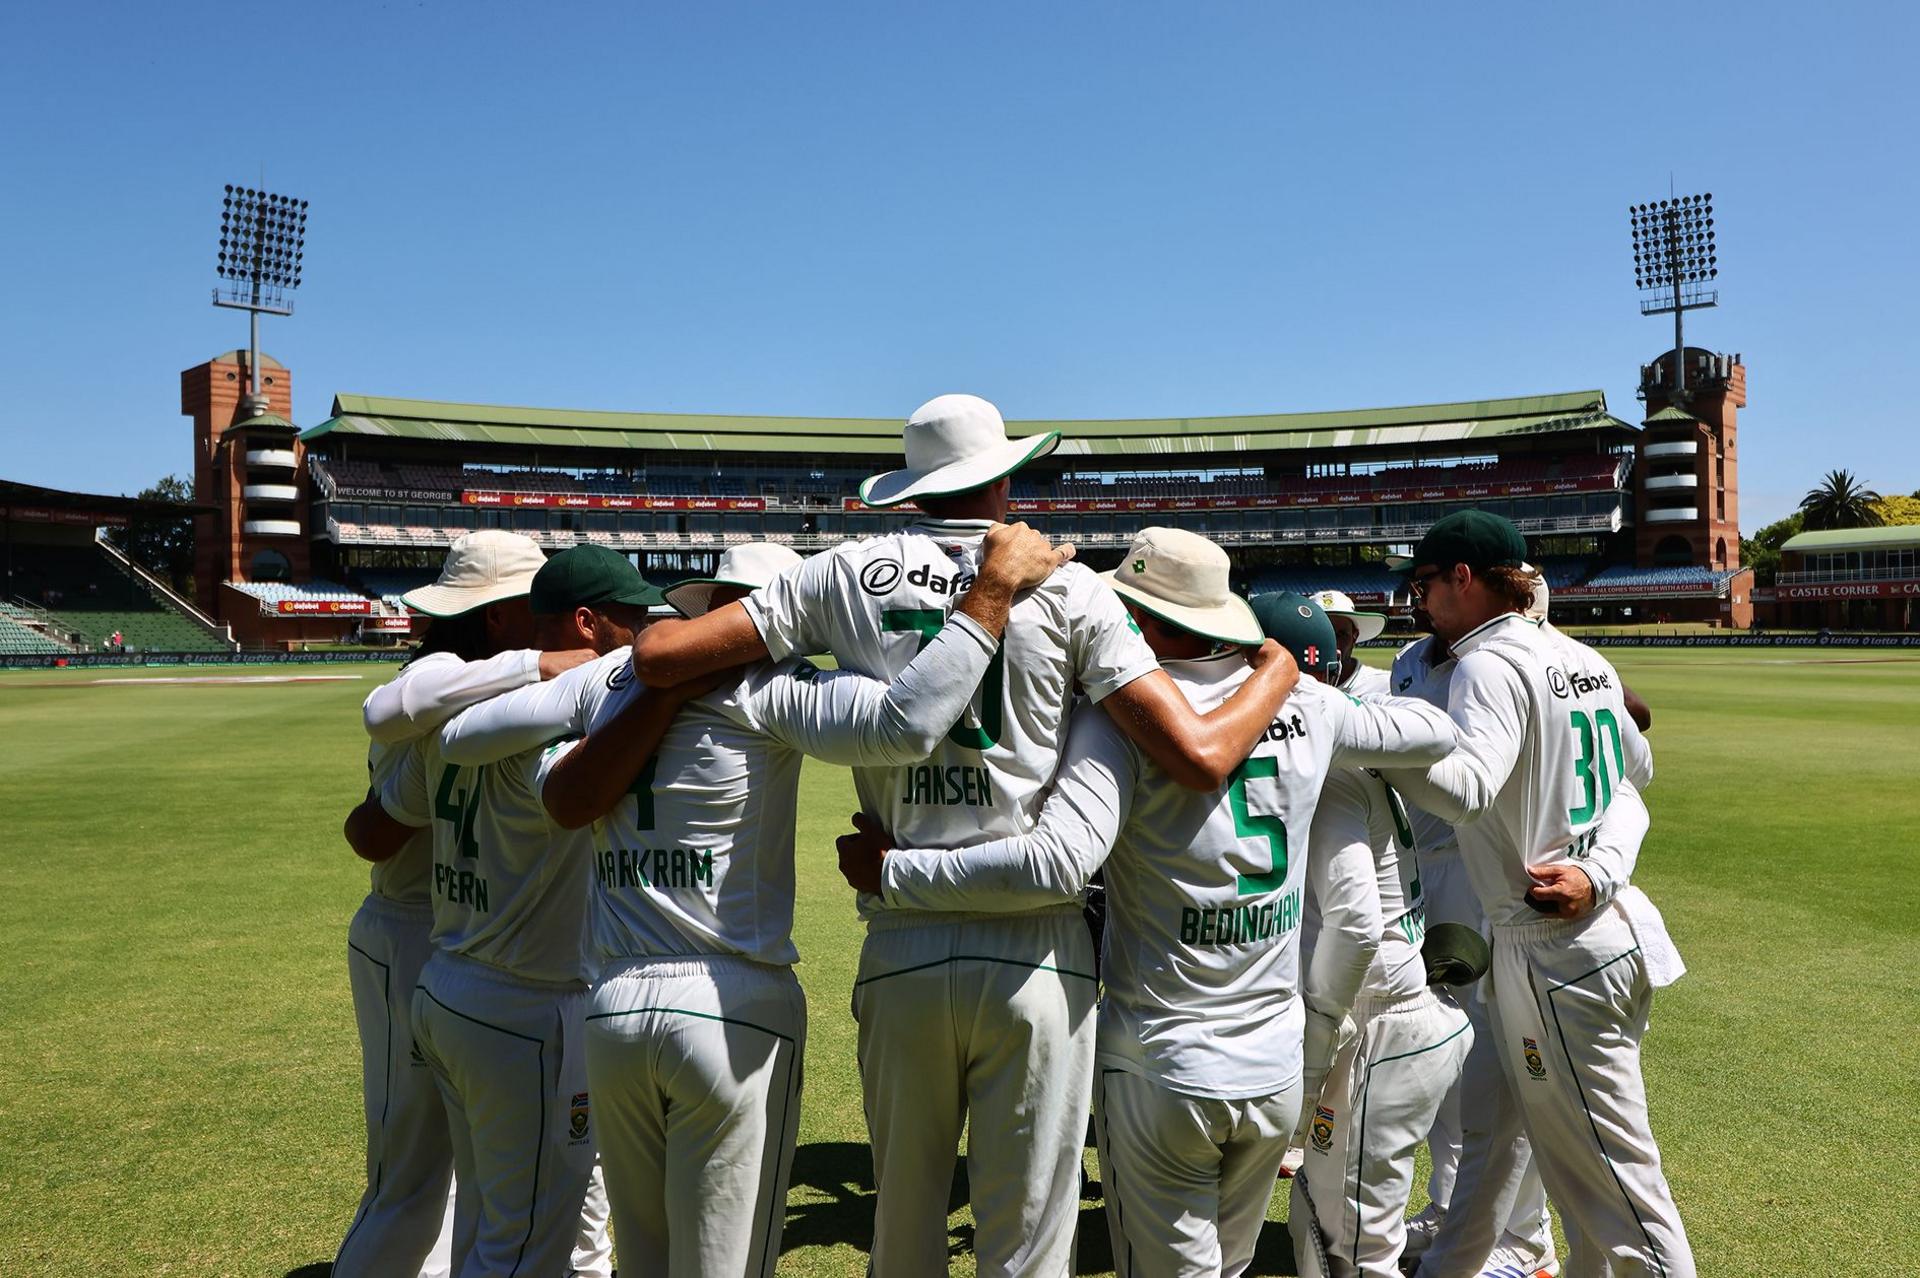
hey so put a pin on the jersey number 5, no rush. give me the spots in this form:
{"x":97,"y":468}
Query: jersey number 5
{"x":927,"y":622}
{"x":1248,"y":825}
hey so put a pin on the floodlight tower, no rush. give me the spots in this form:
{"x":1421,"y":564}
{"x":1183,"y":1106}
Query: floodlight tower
{"x":1686,"y":485}
{"x":1675,"y":263}
{"x":262,"y":243}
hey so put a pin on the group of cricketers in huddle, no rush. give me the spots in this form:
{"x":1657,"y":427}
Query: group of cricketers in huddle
{"x":1346,"y":912}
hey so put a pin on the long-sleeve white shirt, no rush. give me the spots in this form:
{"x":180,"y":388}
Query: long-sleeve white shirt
{"x":874,"y":603}
{"x":699,"y":858}
{"x":1360,"y":814}
{"x":1542,"y":757}
{"x":427,"y":691}
{"x":1203,"y":889}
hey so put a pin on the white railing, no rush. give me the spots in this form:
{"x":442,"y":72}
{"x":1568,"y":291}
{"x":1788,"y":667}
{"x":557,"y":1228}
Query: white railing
{"x":1672,"y":448}
{"x":1805,"y":576}
{"x":218,"y":630}
{"x":1659,"y":483}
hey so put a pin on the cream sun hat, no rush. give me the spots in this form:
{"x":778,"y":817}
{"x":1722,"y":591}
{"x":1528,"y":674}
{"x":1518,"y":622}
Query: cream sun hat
{"x":954,"y":443}
{"x":1181,"y":578}
{"x":749,"y":567}
{"x":481,"y":568}
{"x":1537,"y":610}
{"x":1337,"y":603}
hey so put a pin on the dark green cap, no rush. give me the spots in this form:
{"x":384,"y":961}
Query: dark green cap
{"x":1455,"y":954}
{"x":1476,"y":538}
{"x":585,"y":577}
{"x":1299,"y":625}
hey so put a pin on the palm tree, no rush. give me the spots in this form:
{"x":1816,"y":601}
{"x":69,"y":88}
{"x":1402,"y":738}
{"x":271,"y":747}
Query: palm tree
{"x":1840,"y":502}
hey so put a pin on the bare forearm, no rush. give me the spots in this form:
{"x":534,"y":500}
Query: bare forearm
{"x":592,"y":778}
{"x":672,"y":652}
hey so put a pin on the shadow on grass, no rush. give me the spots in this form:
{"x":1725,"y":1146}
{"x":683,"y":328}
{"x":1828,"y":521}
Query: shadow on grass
{"x":842,"y":1171}
{"x":318,"y":1269}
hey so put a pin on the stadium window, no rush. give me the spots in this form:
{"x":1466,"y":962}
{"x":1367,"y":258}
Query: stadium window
{"x":530,"y":520}
{"x":269,"y":565}
{"x":346,"y":513}
{"x":748,"y":524}
{"x":600,"y":521}
{"x":457,"y":517}
{"x":383,"y":514}
{"x":419,"y":516}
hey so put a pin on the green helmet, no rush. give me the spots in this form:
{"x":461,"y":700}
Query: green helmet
{"x":1299,"y":625}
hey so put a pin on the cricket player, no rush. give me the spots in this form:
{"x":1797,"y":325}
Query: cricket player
{"x":967,"y":1018}
{"x":698,"y":1027}
{"x":1206,"y":1044}
{"x":477,"y":645}
{"x":1524,"y":1246}
{"x":498,"y":1008}
{"x":1352,"y":626}
{"x":1576,"y":951}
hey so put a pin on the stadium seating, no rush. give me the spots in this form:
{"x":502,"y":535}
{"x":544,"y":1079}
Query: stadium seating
{"x":22,"y":630}
{"x":388,"y":584}
{"x":272,"y":593}
{"x":83,"y":589}
{"x":1623,"y":575}
{"x":1306,"y":580}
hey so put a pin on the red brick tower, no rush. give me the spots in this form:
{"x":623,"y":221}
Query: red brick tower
{"x":249,"y":464}
{"x":1686,"y":477}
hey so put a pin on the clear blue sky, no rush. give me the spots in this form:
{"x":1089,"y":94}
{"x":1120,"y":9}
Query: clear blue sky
{"x":1074,"y":209}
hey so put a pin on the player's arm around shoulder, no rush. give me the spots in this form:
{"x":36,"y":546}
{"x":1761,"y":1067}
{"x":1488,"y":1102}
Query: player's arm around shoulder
{"x":393,"y":813}
{"x":1383,"y":731}
{"x":1201,"y":751}
{"x":432,"y":689}
{"x":1490,"y":707}
{"x":624,"y":728}
{"x":528,"y":717}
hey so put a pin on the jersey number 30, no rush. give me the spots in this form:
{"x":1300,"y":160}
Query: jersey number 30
{"x":1250,"y":825}
{"x":1590,"y":768}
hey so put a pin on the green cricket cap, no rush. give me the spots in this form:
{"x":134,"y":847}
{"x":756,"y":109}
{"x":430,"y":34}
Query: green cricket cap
{"x":1300,"y":625}
{"x":585,"y":577}
{"x":1455,"y":954}
{"x":1477,"y":538}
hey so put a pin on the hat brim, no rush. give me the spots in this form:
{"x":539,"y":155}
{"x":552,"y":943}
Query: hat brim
{"x":1402,"y":564}
{"x":893,"y":487}
{"x":1229,"y":622}
{"x":1368,"y":624}
{"x":443,"y":602}
{"x":694,"y":597}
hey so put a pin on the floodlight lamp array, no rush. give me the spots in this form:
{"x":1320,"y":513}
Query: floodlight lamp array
{"x":262,"y":239}
{"x":1673,"y":244}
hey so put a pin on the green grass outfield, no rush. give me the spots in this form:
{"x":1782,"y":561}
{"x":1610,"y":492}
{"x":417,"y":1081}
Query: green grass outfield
{"x":179,"y":1082}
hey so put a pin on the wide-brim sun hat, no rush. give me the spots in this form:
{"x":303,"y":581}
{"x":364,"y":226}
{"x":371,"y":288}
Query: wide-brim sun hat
{"x":747,"y":567}
{"x":1336,"y":603}
{"x":1537,"y":609}
{"x":1182,"y":578}
{"x":954,"y":444}
{"x":481,"y":567}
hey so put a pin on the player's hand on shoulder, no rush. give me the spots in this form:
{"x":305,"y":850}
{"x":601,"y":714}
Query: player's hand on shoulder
{"x":862,"y":852}
{"x":555,"y":664}
{"x":1020,"y":555}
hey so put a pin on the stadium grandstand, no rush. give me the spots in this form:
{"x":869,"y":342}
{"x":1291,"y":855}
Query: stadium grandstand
{"x":379,"y":489}
{"x":67,"y":589}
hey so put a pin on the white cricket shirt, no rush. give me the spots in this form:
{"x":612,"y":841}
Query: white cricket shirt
{"x":699,"y":858}
{"x":1204,"y":890}
{"x":1543,"y":733}
{"x":874,"y":603}
{"x":426,"y":693}
{"x":1416,"y":674}
{"x":1360,"y":812}
{"x":1364,"y":680}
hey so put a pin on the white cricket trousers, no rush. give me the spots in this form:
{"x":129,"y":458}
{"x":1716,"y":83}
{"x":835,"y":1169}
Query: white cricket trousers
{"x":404,"y":1226}
{"x":1377,"y":1105}
{"x":508,"y":1057}
{"x":1571,"y":1001}
{"x":1187,"y":1179}
{"x":982,"y":1020}
{"x":695,"y":1069}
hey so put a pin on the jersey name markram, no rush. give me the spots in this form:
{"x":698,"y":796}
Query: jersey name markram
{"x":654,"y":867}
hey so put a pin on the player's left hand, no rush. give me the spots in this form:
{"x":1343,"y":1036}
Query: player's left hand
{"x":1563,"y":886}
{"x":862,"y":852}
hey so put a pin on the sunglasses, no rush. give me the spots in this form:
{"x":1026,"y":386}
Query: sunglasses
{"x":1417,"y":585}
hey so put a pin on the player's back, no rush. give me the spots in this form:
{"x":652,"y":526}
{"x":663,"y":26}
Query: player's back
{"x":1357,"y":803}
{"x":1423,"y":670}
{"x":698,"y":857}
{"x":876,"y":602}
{"x":1572,"y":757}
{"x":509,"y":887}
{"x":1204,"y":896}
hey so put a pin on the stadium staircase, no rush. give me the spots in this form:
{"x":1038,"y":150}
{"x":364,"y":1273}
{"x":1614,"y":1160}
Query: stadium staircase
{"x":91,"y":591}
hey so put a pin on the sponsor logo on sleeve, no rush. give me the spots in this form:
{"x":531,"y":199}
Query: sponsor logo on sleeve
{"x":621,"y":676}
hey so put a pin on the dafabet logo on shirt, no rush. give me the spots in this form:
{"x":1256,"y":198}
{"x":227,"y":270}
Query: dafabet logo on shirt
{"x":880,"y":576}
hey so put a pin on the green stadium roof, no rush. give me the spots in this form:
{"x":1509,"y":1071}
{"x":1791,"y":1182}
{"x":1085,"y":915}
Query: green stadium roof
{"x":1891,"y":537}
{"x":1472,"y":421}
{"x":1671,"y":414}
